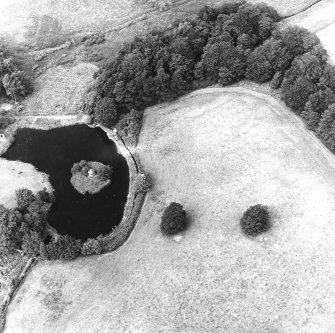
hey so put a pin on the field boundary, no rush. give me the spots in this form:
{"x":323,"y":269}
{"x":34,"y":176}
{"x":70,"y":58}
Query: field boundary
{"x":15,"y":284}
{"x":135,"y":199}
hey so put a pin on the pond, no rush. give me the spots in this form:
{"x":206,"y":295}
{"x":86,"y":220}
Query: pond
{"x":54,"y":152}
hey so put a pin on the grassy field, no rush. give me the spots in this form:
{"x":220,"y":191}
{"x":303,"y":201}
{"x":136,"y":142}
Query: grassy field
{"x":15,"y":175}
{"x":216,"y":151}
{"x":47,"y":22}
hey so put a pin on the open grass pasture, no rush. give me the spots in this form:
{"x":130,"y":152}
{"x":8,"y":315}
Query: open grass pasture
{"x":216,"y":151}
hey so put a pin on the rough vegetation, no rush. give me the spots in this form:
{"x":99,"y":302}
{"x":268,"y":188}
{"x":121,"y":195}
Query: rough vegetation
{"x":90,"y":177}
{"x":13,"y":81}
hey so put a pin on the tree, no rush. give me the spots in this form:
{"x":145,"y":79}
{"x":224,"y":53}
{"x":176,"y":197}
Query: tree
{"x":277,"y":80}
{"x":259,"y":68}
{"x":105,"y":112}
{"x":221,"y":55}
{"x":14,"y":85}
{"x":328,"y":77}
{"x":104,"y":171}
{"x":296,"y":92}
{"x":143,"y":183}
{"x":276,"y":53}
{"x":10,"y":224}
{"x":45,"y":196}
{"x":255,"y":220}
{"x":24,"y":197}
{"x":92,"y":246}
{"x":173,"y":219}
{"x":312,"y":118}
{"x":64,"y":247}
{"x":31,"y":241}
{"x":129,"y":126}
{"x":294,"y":39}
{"x":307,"y":65}
{"x":326,"y":130}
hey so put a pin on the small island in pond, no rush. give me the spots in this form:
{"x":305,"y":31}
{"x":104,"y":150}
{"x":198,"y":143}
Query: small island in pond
{"x":90,"y":177}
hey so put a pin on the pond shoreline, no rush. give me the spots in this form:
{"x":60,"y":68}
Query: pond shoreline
{"x":116,"y":237}
{"x":134,"y":201}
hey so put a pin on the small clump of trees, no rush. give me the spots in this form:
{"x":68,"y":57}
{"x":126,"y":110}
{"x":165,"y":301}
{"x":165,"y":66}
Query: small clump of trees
{"x":90,"y":177}
{"x":255,"y":220}
{"x":23,"y":228}
{"x":173,"y":220}
{"x":13,"y":81}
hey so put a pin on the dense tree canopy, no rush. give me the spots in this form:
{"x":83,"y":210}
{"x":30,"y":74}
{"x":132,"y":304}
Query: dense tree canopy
{"x":173,"y":219}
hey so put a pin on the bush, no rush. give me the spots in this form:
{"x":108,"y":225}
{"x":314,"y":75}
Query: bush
{"x":277,"y":80}
{"x":45,"y":196}
{"x":24,"y":197}
{"x":129,"y":126}
{"x":259,"y":68}
{"x":326,"y":129}
{"x":14,"y":84}
{"x":92,"y":246}
{"x":173,"y":219}
{"x":143,"y":183}
{"x":105,"y":112}
{"x":64,"y":247}
{"x":255,"y":220}
{"x":6,"y":121}
{"x":10,"y":224}
{"x":31,"y":242}
{"x":296,"y":93}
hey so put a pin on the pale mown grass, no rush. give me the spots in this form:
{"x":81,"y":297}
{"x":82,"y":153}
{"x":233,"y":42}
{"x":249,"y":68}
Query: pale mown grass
{"x":216,"y":151}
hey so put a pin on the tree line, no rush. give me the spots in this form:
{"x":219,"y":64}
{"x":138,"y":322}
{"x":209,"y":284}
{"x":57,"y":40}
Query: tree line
{"x":221,"y":45}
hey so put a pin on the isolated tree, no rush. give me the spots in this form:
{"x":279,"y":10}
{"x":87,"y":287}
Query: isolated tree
{"x":255,"y":220}
{"x":173,"y":219}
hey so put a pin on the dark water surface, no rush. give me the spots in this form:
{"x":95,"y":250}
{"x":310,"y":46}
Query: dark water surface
{"x":54,"y":152}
